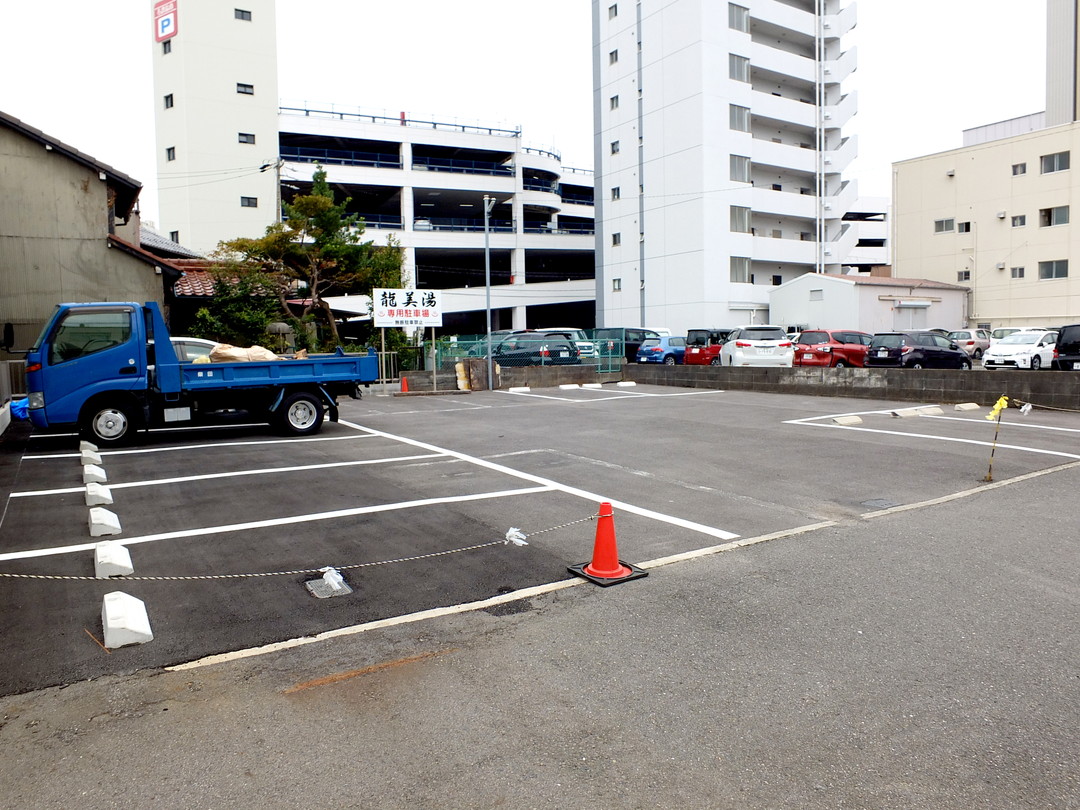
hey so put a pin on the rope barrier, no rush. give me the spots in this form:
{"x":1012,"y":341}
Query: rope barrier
{"x":513,"y":536}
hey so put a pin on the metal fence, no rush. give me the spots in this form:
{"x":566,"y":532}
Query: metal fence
{"x":606,"y":355}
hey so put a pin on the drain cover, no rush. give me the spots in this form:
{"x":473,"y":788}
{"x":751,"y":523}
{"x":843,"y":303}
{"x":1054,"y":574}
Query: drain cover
{"x":321,"y":588}
{"x":880,"y":503}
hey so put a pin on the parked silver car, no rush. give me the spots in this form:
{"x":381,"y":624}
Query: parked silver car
{"x":973,"y":341}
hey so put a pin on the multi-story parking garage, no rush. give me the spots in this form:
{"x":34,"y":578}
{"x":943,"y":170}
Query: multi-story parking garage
{"x":229,"y":151}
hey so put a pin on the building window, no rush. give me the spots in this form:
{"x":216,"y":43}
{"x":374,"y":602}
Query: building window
{"x":615,"y":193}
{"x":613,"y":11}
{"x":817,"y":295}
{"x":1055,"y":269}
{"x":245,"y":89}
{"x":174,"y":236}
{"x":1019,"y":168}
{"x":777,"y":281}
{"x":1053,"y":216}
{"x":944,"y":225}
{"x":740,"y":219}
{"x":170,"y":153}
{"x":242,"y":15}
{"x":249,"y":202}
{"x":738,"y":68}
{"x":963,"y":227}
{"x":614,"y":147}
{"x":246,"y":137}
{"x":616,"y":284}
{"x":963,"y":275}
{"x":616,"y":239}
{"x":613,"y":57}
{"x":166,"y":47}
{"x":1057,"y":162}
{"x":738,"y":18}
{"x":1016,"y":272}
{"x":1019,"y":221}
{"x":740,"y":270}
{"x":614,"y":102}
{"x":739,"y":117}
{"x":168,"y":101}
{"x":740,"y":169}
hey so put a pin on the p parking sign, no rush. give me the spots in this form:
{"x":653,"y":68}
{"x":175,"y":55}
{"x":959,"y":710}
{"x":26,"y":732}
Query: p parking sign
{"x":164,"y":20}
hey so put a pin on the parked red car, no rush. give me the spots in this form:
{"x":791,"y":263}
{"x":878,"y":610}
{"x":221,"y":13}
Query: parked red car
{"x":831,"y":347}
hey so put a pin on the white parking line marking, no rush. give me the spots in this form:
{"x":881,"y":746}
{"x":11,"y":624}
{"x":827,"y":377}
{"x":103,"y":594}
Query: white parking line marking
{"x":212,"y":446}
{"x":555,"y":485}
{"x":264,"y":524}
{"x":812,"y":422}
{"x":264,"y":471}
{"x":1007,"y":424}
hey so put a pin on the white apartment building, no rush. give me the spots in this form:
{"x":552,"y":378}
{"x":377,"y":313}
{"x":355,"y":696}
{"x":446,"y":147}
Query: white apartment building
{"x":719,"y":155}
{"x":229,"y":151}
{"x":995,"y":215}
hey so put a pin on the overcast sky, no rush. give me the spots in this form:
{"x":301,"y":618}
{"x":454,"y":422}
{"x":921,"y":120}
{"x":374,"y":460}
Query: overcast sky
{"x":928,"y":69}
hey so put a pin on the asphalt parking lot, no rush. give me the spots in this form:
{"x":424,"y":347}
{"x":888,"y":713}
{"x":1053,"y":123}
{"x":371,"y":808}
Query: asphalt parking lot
{"x":411,"y":499}
{"x":836,"y":615}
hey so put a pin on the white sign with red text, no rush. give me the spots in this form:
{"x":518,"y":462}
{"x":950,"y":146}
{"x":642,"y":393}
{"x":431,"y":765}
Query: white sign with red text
{"x":406,"y":308}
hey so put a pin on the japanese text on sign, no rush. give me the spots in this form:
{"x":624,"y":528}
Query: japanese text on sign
{"x":406,"y":307}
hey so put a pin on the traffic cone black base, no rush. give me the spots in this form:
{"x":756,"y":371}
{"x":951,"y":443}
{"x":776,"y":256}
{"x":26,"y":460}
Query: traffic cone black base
{"x":634,"y":573}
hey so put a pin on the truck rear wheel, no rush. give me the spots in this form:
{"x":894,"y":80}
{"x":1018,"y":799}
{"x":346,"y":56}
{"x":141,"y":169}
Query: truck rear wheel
{"x":301,"y":414}
{"x":108,"y":424}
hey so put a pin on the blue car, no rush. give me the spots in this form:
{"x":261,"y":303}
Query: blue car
{"x":666,"y":350}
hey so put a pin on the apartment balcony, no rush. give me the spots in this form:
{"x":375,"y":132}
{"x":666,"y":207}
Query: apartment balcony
{"x":780,"y":108}
{"x":784,"y":16}
{"x":835,"y":26}
{"x":786,"y":248}
{"x":783,"y":203}
{"x":762,"y":57}
{"x":838,"y":115}
{"x":836,"y":205}
{"x":838,"y":249}
{"x":839,"y":69}
{"x":839,"y":159}
{"x":784,"y":156}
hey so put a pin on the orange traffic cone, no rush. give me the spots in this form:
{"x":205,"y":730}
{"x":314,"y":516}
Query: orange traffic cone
{"x":606,"y":568}
{"x":404,"y":385}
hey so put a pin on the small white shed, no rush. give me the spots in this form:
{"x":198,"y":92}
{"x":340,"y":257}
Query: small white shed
{"x":868,"y":303}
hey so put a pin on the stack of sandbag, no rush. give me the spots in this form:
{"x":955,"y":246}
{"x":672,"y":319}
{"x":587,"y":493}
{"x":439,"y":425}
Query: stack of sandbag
{"x":224,"y":353}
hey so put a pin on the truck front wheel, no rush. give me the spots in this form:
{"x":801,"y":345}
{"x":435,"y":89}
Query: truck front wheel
{"x":108,"y":424}
{"x":301,"y":414}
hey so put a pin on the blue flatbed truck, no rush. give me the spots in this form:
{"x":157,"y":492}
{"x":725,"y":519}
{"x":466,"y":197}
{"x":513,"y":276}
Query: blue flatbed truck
{"x":109,"y":370}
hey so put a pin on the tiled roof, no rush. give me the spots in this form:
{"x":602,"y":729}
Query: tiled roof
{"x":157,"y":242}
{"x":195,"y":281}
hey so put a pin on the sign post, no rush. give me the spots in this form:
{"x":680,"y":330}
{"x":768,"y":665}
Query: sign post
{"x":407,"y":308}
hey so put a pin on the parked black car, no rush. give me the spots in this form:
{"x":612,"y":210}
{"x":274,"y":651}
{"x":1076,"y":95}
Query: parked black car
{"x":915,"y":350}
{"x":536,"y":349}
{"x":609,"y":339}
{"x":1067,"y":349}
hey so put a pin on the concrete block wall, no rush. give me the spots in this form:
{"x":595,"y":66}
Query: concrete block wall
{"x":1053,"y":389}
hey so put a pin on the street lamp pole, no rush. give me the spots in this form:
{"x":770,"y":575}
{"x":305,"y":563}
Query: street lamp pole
{"x":489,"y":203}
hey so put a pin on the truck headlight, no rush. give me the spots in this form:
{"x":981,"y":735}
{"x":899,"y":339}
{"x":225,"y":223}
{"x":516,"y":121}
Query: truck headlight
{"x":35,"y":399}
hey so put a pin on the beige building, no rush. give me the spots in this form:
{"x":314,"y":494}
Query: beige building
{"x":69,"y":231}
{"x":996,"y":217}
